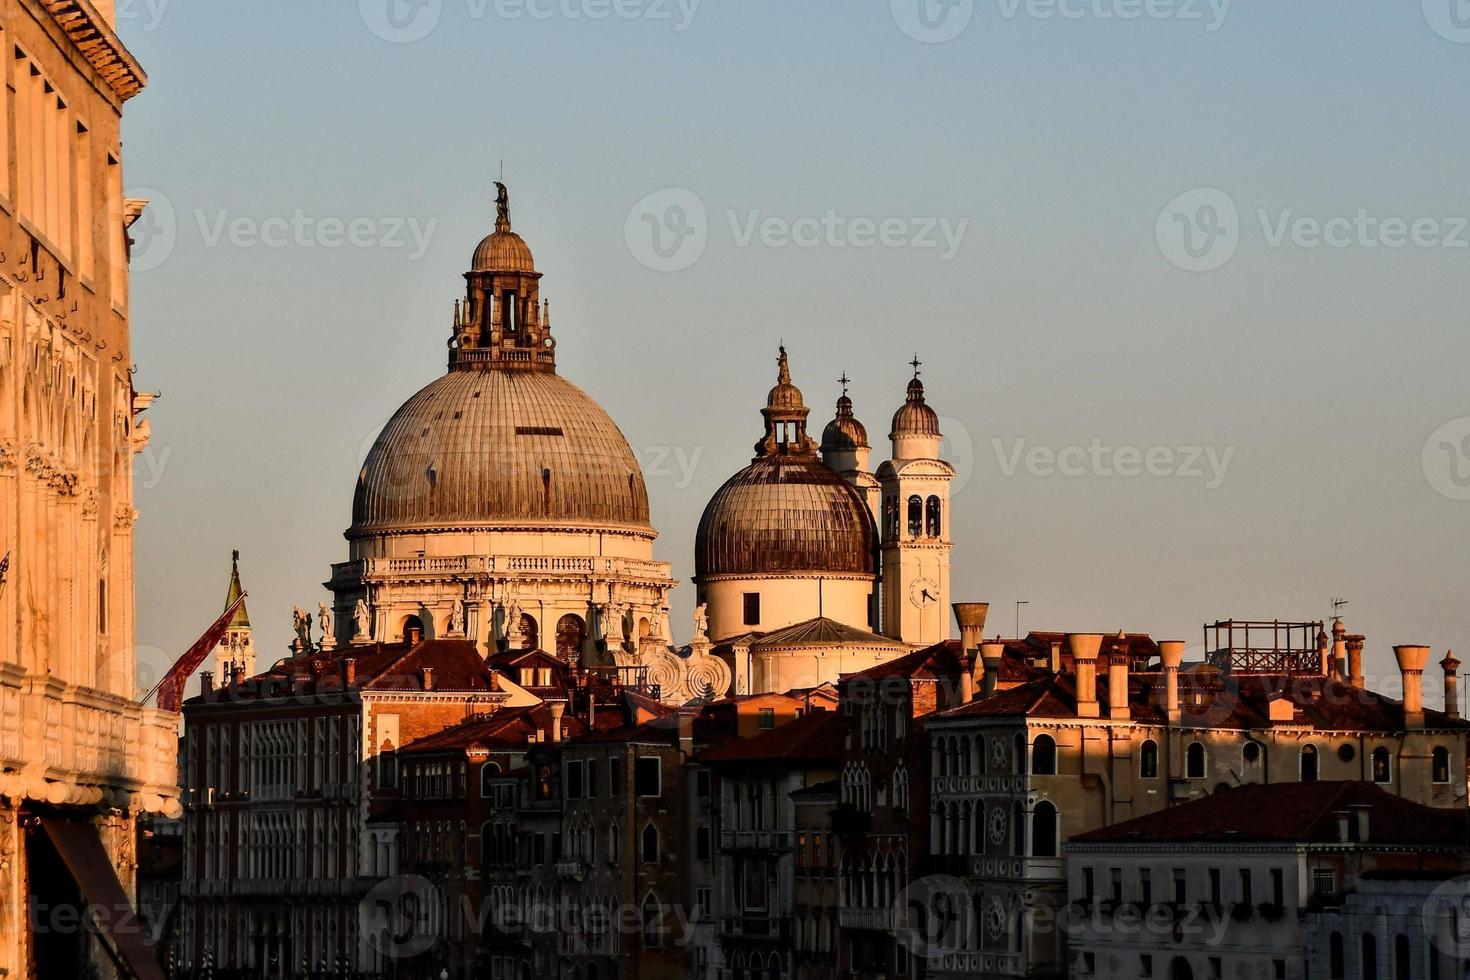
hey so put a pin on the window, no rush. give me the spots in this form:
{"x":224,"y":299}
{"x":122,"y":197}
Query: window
{"x":766,"y":719}
{"x":615,"y":776}
{"x":1335,"y":957}
{"x":1324,"y":882}
{"x":1278,"y":887}
{"x":932,"y":514}
{"x":1402,"y":961}
{"x":1251,"y":753}
{"x":702,"y":844}
{"x":1181,"y":887}
{"x":916,"y":516}
{"x":1245,"y":886}
{"x":1145,"y":888}
{"x":752,"y":609}
{"x":1194,"y":761}
{"x":1148,"y":760}
{"x":649,"y":848}
{"x":1440,"y":765}
{"x":1309,"y":763}
{"x":1044,"y":830}
{"x":574,"y":780}
{"x":1115,"y":885}
{"x":1089,"y":885}
{"x":1215,"y":896}
{"x":1382,"y":770}
{"x":648,"y":776}
{"x":1044,"y":756}
{"x":1145,"y":965}
{"x":1369,"y":965}
{"x":702,"y":784}
{"x":653,"y":923}
{"x":591,"y":780}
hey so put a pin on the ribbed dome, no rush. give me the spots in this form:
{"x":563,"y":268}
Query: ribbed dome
{"x":500,"y":447}
{"x":914,"y":417}
{"x":844,"y":432}
{"x":503,"y":251}
{"x":785,"y":513}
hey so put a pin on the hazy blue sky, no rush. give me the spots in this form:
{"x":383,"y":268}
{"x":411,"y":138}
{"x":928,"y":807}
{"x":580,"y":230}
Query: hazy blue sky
{"x":1054,"y":136}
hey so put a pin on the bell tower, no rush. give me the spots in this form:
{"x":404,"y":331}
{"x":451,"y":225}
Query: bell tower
{"x":235,"y":655}
{"x":914,"y":528}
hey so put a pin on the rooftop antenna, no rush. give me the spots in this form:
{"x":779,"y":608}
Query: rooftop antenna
{"x":1337,"y":603}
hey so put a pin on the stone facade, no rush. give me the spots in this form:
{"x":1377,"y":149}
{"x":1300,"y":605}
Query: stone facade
{"x":74,"y":741}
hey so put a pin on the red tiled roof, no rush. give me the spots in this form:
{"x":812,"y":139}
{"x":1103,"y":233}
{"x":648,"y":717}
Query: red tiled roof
{"x":1292,"y":813}
{"x":815,"y":738}
{"x":1224,"y":701}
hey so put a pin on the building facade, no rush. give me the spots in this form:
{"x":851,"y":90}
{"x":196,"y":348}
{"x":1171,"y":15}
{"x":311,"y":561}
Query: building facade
{"x":80,"y":758}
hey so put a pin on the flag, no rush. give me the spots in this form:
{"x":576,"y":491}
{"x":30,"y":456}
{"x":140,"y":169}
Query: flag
{"x":170,"y":690}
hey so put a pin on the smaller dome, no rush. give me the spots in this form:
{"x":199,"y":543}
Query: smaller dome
{"x":844,"y":432}
{"x":503,"y":251}
{"x":914,"y":417}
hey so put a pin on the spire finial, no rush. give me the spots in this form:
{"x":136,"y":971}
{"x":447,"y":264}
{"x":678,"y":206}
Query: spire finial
{"x":784,"y":375}
{"x":916,"y":364}
{"x":235,"y":559}
{"x":502,"y":207}
{"x":844,"y":381}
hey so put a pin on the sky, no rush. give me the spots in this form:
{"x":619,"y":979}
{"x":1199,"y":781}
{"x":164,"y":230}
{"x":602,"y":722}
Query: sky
{"x":1186,"y":278}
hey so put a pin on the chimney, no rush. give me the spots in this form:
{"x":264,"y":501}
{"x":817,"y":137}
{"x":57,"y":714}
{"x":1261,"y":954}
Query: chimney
{"x":1054,"y":663}
{"x":991,"y":655}
{"x":349,"y":671}
{"x":971,"y":618}
{"x":1451,"y":666}
{"x":1355,"y":660}
{"x":1339,"y":649}
{"x":206,"y":682}
{"x":557,"y":710}
{"x":1412,"y":660}
{"x":1324,"y":656}
{"x":1171,"y":653}
{"x":428,"y":678}
{"x":1118,"y":708}
{"x":1084,"y":647}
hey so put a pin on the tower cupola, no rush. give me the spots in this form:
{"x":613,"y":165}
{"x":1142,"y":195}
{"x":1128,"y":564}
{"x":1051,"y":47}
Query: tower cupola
{"x":502,"y":320}
{"x":915,"y":432}
{"x":785,"y":414}
{"x":845,"y":439}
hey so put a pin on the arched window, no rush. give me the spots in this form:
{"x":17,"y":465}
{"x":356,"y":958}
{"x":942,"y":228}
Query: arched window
{"x":1368,"y":968}
{"x":1018,"y":830}
{"x":650,"y":844}
{"x":413,"y":629}
{"x":530,"y":632}
{"x":1044,"y":832}
{"x":932,"y":515}
{"x":1194,"y":761}
{"x":916,"y":516}
{"x":653,"y":922}
{"x":1148,"y":760}
{"x":1250,"y":753}
{"x":890,"y":517}
{"x":1382,"y":768}
{"x":1402,"y":964}
{"x":1309,"y":763}
{"x":570,"y":632}
{"x":1439,"y":765}
{"x":1044,"y":756}
{"x":1336,"y":968}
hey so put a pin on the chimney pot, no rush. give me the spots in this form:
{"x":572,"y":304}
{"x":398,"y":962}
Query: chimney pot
{"x":206,"y":681}
{"x":349,"y":671}
{"x":557,"y":710}
{"x":1412,"y":659}
{"x":991,"y":655}
{"x":1171,"y":655}
{"x":971,"y":619}
{"x":428,"y":678}
{"x":1451,"y":668}
{"x":1084,"y":648}
{"x":1355,"y":659}
{"x":1118,"y":706}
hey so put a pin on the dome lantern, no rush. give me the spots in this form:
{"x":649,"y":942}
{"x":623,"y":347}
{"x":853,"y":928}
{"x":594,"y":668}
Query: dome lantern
{"x":785,"y":414}
{"x":502,"y":320}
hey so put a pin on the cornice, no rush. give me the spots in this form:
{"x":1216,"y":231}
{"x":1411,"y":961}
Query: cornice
{"x":99,"y":44}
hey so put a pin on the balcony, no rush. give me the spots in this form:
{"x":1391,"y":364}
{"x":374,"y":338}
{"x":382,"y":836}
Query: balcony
{"x":881,"y":920}
{"x":757,"y":926}
{"x":756,"y":840}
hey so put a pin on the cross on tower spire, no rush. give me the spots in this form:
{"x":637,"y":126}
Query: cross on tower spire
{"x":844,"y":381}
{"x":916,"y":364}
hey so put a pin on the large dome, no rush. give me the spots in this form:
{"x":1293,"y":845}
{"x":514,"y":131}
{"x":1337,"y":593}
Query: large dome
{"x":491,"y":448}
{"x":784,"y":514}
